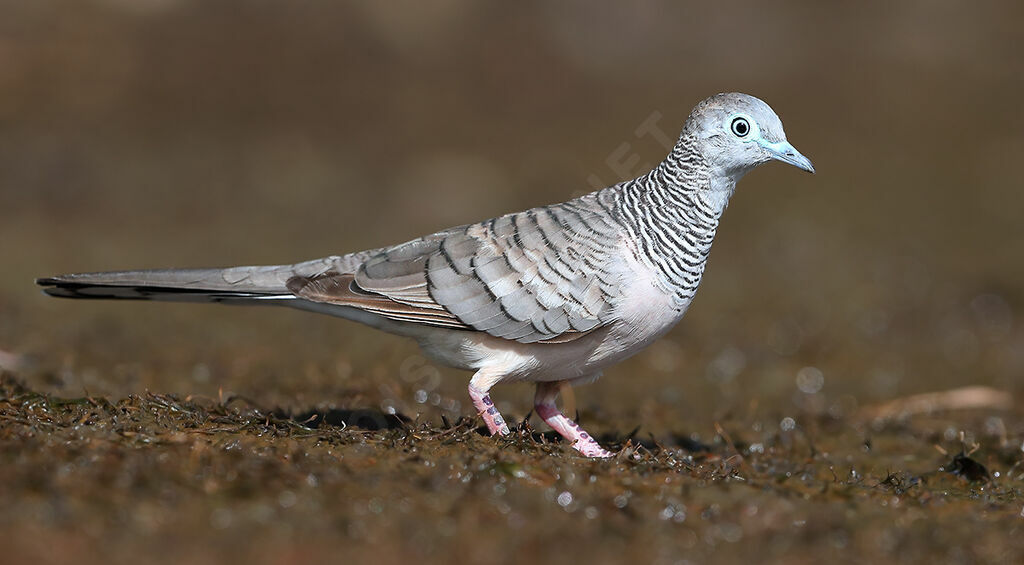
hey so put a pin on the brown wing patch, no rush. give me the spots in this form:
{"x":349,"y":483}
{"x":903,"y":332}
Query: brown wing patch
{"x":341,"y":289}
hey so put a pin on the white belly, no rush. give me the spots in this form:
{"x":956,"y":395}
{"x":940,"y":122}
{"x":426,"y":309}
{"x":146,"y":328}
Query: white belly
{"x":643,"y":313}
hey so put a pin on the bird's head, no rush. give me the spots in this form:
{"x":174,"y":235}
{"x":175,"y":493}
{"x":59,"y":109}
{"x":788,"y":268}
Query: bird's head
{"x":736,"y":132}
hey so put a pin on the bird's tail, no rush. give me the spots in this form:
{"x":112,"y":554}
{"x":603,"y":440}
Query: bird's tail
{"x":235,"y":284}
{"x":180,"y":285}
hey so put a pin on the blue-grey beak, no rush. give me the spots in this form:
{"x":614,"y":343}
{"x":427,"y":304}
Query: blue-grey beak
{"x":785,"y":152}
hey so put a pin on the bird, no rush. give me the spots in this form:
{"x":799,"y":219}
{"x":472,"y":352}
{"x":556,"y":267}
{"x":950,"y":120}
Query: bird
{"x":553,"y":295}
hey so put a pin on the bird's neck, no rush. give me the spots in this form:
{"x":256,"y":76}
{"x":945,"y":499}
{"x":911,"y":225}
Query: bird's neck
{"x":673,"y":214}
{"x":685,"y":176}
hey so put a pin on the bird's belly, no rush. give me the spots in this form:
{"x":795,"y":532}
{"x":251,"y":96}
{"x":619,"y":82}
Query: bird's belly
{"x":643,"y":313}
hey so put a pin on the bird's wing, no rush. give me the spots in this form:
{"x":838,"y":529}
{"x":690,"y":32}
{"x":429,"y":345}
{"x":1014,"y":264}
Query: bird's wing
{"x":541,"y":275}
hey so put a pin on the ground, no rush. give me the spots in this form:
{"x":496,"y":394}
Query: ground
{"x":210,"y":480}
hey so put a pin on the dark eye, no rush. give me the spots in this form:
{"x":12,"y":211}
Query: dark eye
{"x":740,"y":127}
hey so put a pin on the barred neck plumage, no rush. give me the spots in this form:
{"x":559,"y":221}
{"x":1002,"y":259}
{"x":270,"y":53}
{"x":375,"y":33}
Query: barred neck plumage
{"x":672,"y":213}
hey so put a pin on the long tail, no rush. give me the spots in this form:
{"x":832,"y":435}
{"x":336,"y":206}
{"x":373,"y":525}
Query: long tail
{"x":235,"y":284}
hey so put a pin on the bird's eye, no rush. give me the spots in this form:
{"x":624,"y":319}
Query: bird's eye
{"x":741,"y":127}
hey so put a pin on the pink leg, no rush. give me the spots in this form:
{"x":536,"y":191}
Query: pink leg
{"x":485,"y":407}
{"x":544,"y":405}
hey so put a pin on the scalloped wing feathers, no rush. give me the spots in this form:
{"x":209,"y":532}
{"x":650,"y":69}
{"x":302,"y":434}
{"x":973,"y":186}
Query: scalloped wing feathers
{"x":534,"y":276}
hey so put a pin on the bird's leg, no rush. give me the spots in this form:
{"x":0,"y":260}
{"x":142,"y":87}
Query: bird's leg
{"x":544,"y":405}
{"x":485,"y":406}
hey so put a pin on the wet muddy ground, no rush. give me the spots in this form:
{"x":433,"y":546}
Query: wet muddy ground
{"x":813,"y":406}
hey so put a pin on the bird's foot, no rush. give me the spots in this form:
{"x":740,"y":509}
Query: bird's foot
{"x":594,"y":450}
{"x":571,"y":431}
{"x":544,"y":405}
{"x":485,"y":407}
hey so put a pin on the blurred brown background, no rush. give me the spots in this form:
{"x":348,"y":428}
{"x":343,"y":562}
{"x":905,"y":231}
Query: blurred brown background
{"x":150,"y":133}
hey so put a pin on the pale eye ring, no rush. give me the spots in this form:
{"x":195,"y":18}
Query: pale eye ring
{"x":740,"y":127}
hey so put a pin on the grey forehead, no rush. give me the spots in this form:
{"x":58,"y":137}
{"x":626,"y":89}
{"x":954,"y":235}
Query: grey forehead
{"x":729,"y":103}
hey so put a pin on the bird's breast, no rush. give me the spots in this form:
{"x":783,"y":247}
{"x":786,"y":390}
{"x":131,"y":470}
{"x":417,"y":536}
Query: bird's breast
{"x":645,"y":311}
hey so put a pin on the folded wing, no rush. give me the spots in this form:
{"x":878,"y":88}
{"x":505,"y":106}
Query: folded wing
{"x":537,"y":276}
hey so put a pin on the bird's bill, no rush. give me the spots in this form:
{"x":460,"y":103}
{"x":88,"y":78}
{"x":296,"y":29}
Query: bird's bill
{"x":785,"y":152}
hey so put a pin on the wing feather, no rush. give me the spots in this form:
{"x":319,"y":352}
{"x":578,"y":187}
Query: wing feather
{"x":544,"y":275}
